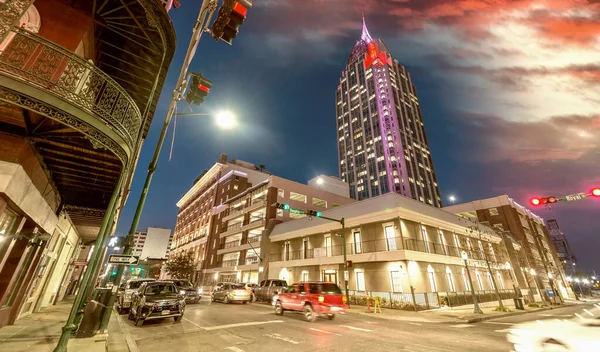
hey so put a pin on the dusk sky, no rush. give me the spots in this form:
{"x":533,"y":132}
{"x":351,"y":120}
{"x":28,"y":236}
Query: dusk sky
{"x":509,"y":91}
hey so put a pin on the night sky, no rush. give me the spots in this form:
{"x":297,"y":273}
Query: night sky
{"x":509,"y":90}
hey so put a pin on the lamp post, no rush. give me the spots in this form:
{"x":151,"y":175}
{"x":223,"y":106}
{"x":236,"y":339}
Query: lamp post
{"x":476,"y":308}
{"x":533,"y":274}
{"x":509,"y":267}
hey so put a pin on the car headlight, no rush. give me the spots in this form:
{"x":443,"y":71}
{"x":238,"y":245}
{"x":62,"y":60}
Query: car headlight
{"x":182,"y":292}
{"x":200,"y":291}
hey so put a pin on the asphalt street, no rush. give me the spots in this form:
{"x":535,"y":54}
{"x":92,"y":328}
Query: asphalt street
{"x":254,"y":327}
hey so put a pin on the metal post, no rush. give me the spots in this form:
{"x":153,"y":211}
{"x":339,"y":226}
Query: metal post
{"x":206,"y":11}
{"x":70,"y":325}
{"x":476,"y":308}
{"x":346,"y":274}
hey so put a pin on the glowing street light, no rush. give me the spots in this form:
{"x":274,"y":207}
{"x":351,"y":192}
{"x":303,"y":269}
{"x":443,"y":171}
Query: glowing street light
{"x":452,"y":198}
{"x":226,"y":119}
{"x":320,"y":181}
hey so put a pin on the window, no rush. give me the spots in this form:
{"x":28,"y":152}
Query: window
{"x":357,"y":244}
{"x":390,"y":238}
{"x":360,"y":281}
{"x":499,"y":227}
{"x":305,"y":276}
{"x":456,"y":241}
{"x":443,"y":242}
{"x":478,"y":276}
{"x":450,"y":281}
{"x":328,"y":245}
{"x":319,"y":202}
{"x":280,"y":193}
{"x":425,"y":239}
{"x":466,"y":280}
{"x":491,"y":281}
{"x":304,"y":248}
{"x":492,"y":254}
{"x":298,"y":197}
{"x":396,"y":278}
{"x":296,"y":215}
{"x":235,"y":187}
{"x":493,"y":211}
{"x":432,"y":281}
{"x":500,"y":281}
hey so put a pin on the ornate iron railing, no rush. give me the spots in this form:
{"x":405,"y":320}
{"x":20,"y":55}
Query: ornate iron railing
{"x":39,"y":62}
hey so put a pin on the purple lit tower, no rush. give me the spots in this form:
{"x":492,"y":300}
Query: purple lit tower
{"x":381,"y":139}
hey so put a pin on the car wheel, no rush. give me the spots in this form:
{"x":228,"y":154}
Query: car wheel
{"x":309,"y":313}
{"x":330,"y":316}
{"x":226,"y":300}
{"x":278,"y":308}
{"x":552,"y":345}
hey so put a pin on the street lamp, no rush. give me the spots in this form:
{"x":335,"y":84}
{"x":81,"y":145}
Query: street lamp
{"x":509,"y":267}
{"x":476,"y":308}
{"x":226,"y":119}
{"x":452,"y":198}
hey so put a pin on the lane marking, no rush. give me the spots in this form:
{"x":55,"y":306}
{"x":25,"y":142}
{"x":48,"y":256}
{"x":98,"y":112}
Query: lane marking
{"x":218,"y":327}
{"x":325,"y":332}
{"x":282,"y":338}
{"x":497,"y":322}
{"x":234,"y":349}
{"x":579,"y":316}
{"x":414,"y":323}
{"x":462,"y":326}
{"x":588,"y":312}
{"x":357,"y":329}
{"x":597,"y":305}
{"x":554,"y":315}
{"x":186,"y":319}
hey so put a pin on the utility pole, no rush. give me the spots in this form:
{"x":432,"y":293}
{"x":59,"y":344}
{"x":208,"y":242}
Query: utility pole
{"x":206,"y":12}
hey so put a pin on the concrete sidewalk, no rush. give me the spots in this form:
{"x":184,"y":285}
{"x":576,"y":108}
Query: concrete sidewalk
{"x":39,"y":332}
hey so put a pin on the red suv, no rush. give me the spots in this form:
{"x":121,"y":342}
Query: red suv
{"x":311,"y":298}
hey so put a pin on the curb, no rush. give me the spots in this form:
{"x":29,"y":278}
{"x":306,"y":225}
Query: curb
{"x":510,"y":314}
{"x":387,"y":317}
{"x":131,"y":345}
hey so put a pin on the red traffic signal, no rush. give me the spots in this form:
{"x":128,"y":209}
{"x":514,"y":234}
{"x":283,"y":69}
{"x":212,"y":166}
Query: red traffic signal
{"x":198,"y":89}
{"x":596,"y":192}
{"x":230,"y":17}
{"x":547,"y":200}
{"x":348,"y":263}
{"x":535,"y":201}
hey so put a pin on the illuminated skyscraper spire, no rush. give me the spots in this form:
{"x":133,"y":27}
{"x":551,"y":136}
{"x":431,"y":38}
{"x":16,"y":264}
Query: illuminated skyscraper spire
{"x":365,"y":32}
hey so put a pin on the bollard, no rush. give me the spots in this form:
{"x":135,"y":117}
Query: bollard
{"x":368,"y":303}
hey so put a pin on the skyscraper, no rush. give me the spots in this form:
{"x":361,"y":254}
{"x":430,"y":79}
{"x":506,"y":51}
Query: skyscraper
{"x":382,"y":146}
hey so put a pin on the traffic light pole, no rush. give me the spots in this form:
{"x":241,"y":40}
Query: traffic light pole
{"x":206,"y":12}
{"x":346,"y":274}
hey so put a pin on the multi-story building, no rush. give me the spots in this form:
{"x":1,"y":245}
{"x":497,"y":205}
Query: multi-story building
{"x":223,"y":217}
{"x":394,"y":243}
{"x":153,"y":243}
{"x":382,"y":145}
{"x":530,"y":230}
{"x":563,"y":250}
{"x":79,"y":84}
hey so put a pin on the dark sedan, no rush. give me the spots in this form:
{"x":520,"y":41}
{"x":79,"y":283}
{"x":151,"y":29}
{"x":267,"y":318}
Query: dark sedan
{"x":157,"y":300}
{"x":189,"y":292}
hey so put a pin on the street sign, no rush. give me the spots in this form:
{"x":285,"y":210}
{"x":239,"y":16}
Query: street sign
{"x":346,"y":275}
{"x":121,"y":259}
{"x":577,"y":196}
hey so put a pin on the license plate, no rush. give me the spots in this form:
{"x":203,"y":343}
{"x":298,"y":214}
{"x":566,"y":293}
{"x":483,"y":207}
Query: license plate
{"x":166,"y":312}
{"x":336,"y":308}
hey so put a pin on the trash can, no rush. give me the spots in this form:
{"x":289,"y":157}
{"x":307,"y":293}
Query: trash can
{"x":93,"y":312}
{"x":519,"y":303}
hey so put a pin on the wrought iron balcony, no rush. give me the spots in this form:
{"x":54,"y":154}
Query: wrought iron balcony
{"x":39,"y":62}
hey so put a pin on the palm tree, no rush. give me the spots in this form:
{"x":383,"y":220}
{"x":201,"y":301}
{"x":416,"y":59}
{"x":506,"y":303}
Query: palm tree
{"x":261,"y":167}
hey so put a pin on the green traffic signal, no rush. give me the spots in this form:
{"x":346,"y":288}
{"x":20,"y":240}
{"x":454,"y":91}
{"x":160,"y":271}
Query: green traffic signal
{"x":286,"y":207}
{"x":318,"y":214}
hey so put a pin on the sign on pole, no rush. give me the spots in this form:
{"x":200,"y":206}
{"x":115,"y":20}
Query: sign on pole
{"x":577,"y":196}
{"x":121,"y":259}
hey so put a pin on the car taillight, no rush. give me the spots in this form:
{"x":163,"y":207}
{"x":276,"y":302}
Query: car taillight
{"x":321,"y":299}
{"x":344,"y":299}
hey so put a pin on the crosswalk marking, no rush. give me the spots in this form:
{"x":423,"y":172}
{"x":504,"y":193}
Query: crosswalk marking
{"x":325,"y":332}
{"x":555,"y":315}
{"x":588,"y":312}
{"x":462,"y":326}
{"x":597,"y":305}
{"x":358,"y":329}
{"x":218,"y":327}
{"x":579,"y":316}
{"x":414,"y":323}
{"x":282,"y":338}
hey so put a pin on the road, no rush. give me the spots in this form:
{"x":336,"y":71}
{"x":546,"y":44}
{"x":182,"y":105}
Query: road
{"x":254,"y":327}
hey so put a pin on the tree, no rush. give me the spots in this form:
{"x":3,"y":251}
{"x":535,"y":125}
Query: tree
{"x":262,"y":167}
{"x":181,"y":266}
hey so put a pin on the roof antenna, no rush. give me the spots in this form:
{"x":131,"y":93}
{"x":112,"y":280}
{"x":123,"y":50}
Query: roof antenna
{"x":365,"y":32}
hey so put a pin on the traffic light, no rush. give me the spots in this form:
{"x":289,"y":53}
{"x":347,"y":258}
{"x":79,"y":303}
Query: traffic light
{"x":198,"y":90}
{"x":230,"y":17}
{"x":313,"y":213}
{"x":281,"y":206}
{"x":540,"y":201}
{"x":596,"y":192}
{"x":348,"y":263}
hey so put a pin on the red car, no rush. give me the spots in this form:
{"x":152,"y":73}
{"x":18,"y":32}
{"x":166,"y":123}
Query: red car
{"x":312,"y":298}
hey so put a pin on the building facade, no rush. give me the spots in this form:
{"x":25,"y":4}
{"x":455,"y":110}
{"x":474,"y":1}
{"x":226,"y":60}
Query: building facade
{"x":538,"y":259}
{"x":382,"y":144}
{"x":395,"y":244}
{"x":153,"y":243}
{"x":73,"y":117}
{"x":222,"y":219}
{"x":563,"y":250}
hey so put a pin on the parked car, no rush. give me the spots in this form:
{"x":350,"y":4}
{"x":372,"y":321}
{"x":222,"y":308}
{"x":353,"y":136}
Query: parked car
{"x":312,"y":298}
{"x":189,"y":292}
{"x":157,"y":300}
{"x":231,"y":292}
{"x":269,"y":288}
{"x":250,"y":287}
{"x":552,"y":335}
{"x":125,"y":292}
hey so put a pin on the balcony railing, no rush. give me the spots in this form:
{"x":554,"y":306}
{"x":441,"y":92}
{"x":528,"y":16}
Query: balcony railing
{"x":253,"y":239}
{"x":383,"y":245}
{"x":230,"y":263}
{"x":252,"y":260}
{"x":236,"y":226}
{"x":230,"y":244}
{"x":39,"y":62}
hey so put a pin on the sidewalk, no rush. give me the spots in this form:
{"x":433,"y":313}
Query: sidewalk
{"x":39,"y":332}
{"x":462,"y":314}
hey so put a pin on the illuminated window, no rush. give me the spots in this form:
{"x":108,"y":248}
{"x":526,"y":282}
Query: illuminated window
{"x":319,"y":202}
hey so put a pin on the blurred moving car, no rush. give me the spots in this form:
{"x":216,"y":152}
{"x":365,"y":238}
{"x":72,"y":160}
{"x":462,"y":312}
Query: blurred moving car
{"x":189,"y":292}
{"x":125,"y":292}
{"x":268,"y":288}
{"x":231,"y":292}
{"x":157,"y":300}
{"x":314,"y":299}
{"x":556,"y":335}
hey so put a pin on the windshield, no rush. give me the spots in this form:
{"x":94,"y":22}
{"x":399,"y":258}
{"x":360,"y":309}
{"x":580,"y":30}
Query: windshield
{"x":135,"y":284}
{"x":161,"y":290}
{"x":182,"y":283}
{"x":326,"y":288}
{"x":237,"y":286}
